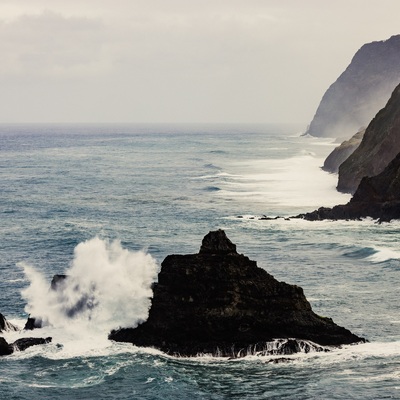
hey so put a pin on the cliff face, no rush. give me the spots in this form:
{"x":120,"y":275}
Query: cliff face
{"x":342,"y":152}
{"x":220,"y":302}
{"x":380,"y":144}
{"x":360,"y":91}
{"x":377,"y":197}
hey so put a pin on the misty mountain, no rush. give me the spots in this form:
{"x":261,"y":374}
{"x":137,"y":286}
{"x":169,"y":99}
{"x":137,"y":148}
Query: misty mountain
{"x":360,"y":91}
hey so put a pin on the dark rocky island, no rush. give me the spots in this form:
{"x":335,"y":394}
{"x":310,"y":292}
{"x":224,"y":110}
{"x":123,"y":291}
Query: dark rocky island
{"x":219,"y":302}
{"x":360,"y":91}
{"x":377,"y":197}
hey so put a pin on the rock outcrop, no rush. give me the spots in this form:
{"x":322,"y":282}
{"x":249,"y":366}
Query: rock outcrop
{"x":5,"y":325}
{"x":342,"y":152}
{"x":360,"y":91}
{"x":20,"y":344}
{"x":380,"y":144}
{"x":220,"y":302}
{"x":377,"y":197}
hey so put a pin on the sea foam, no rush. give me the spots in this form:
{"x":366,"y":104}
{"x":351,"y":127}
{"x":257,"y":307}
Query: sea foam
{"x":106,"y":287}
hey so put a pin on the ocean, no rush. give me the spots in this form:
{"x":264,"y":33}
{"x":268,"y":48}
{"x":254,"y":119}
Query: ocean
{"x":106,"y":204}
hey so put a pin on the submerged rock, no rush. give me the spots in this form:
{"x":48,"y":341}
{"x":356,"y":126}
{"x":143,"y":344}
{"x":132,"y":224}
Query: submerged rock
{"x":218,"y":301}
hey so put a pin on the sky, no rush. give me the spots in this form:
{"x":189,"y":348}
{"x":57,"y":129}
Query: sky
{"x":171,"y":61}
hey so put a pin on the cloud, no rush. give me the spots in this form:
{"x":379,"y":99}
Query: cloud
{"x":49,"y":44}
{"x":179,"y":60}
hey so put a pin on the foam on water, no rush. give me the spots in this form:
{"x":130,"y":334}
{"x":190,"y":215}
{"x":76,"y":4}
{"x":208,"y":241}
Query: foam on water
{"x":107,"y":287}
{"x":382,"y":255}
{"x":294,"y":182}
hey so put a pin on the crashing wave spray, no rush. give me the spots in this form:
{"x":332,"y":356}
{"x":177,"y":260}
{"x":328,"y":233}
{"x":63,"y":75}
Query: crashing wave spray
{"x":106,"y":286}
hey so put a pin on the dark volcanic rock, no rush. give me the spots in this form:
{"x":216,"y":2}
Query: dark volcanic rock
{"x":381,"y":143}
{"x":360,"y":91}
{"x":20,"y":344}
{"x":377,"y":197}
{"x":5,"y":325}
{"x":23,"y":343}
{"x":342,"y":152}
{"x":220,"y":302}
{"x":33,"y":323}
{"x":5,"y":348}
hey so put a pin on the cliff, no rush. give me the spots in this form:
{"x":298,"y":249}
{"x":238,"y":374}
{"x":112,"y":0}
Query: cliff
{"x":218,"y":301}
{"x":377,"y":197}
{"x":342,"y":152}
{"x":380,"y":144}
{"x":360,"y":91}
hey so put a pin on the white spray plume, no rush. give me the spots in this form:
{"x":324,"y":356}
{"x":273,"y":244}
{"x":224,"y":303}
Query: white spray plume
{"x":106,"y":286}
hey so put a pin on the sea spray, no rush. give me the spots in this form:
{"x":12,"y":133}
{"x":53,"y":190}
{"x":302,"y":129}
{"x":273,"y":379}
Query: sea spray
{"x":106,"y":286}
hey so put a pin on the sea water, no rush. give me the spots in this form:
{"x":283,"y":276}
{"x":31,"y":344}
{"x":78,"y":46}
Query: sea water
{"x":105,"y":205}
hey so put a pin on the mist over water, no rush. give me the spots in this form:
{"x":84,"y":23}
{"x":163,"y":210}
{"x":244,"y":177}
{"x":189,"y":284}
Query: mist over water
{"x":106,"y":287}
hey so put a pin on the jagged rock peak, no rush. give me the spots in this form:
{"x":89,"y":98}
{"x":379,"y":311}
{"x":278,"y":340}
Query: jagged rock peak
{"x":216,"y":242}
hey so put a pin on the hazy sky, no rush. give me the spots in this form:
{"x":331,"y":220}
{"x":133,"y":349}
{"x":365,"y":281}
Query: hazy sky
{"x":179,"y":60}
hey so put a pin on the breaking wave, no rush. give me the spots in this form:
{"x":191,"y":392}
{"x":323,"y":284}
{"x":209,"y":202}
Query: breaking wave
{"x":106,"y":286}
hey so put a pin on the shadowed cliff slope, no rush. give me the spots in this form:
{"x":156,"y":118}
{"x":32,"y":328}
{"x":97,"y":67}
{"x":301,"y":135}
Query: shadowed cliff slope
{"x":360,"y":91}
{"x":342,"y":152}
{"x":377,"y":197}
{"x":380,"y":144}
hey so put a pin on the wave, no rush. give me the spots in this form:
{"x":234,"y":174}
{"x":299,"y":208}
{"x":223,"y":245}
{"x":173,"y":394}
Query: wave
{"x":293,"y":183}
{"x":106,"y":287}
{"x":383,"y":255}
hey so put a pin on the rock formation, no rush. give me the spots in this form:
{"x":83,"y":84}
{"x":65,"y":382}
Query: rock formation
{"x":20,"y":344}
{"x":5,"y":325}
{"x":380,"y":144}
{"x":360,"y":91}
{"x":377,"y":197}
{"x":220,"y":302}
{"x":342,"y":152}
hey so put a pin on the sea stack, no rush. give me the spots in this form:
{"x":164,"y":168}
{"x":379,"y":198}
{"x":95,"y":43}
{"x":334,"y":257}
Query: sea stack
{"x":219,"y":302}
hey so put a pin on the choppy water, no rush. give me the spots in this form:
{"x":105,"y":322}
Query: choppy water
{"x":108,"y":203}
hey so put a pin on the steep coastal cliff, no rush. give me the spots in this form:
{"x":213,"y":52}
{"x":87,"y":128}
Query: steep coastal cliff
{"x":360,"y":91}
{"x":377,"y":197}
{"x":342,"y":152}
{"x":380,"y":145}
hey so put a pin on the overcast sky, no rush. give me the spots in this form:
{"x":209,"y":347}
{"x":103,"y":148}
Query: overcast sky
{"x":179,"y":60}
